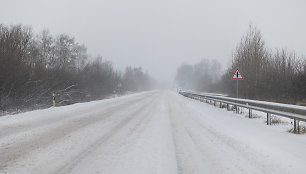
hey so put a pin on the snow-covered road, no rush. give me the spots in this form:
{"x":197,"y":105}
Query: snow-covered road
{"x":158,"y":132}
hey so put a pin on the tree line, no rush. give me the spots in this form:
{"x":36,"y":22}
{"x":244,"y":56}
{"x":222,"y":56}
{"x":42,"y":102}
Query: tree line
{"x":34,"y":66}
{"x":269,"y":74}
{"x":202,"y":76}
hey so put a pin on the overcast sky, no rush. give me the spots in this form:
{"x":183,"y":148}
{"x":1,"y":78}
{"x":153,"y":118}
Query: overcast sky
{"x":159,"y":35}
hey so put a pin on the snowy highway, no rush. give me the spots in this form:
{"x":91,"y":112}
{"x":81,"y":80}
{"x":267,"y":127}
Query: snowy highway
{"x":157,"y":132}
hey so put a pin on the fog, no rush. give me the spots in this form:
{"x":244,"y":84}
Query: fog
{"x":160,"y":35}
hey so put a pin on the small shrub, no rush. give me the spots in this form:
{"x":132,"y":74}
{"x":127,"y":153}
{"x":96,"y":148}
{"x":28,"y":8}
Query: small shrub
{"x":276,"y":120}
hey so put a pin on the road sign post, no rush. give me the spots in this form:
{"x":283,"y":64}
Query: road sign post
{"x":237,"y":86}
{"x":238,"y":76}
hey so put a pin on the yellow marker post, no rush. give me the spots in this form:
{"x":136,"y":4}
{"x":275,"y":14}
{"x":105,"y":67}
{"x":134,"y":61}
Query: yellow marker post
{"x":53,"y":99}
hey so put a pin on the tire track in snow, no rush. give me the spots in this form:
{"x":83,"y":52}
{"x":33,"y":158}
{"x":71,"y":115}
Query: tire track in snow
{"x":215,"y":151}
{"x":14,"y":128}
{"x":68,"y":167}
{"x":13,"y":151}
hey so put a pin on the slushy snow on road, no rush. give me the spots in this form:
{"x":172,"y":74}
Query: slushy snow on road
{"x":157,"y":132}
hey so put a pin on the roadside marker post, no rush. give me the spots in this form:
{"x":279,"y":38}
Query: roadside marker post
{"x":237,"y":76}
{"x":53,"y":100}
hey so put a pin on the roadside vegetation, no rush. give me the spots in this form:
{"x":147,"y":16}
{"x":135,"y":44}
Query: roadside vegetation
{"x":34,"y":66}
{"x":269,"y":74}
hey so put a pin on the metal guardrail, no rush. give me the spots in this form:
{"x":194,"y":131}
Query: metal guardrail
{"x":297,"y":113}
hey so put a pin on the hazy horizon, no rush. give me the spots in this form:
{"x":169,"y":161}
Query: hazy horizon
{"x":161,"y":35}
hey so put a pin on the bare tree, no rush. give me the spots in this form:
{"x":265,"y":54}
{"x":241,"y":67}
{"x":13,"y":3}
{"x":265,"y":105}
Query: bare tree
{"x":32,"y":67}
{"x":201,"y":77}
{"x":278,"y":75}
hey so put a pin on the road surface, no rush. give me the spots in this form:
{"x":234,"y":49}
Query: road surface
{"x":157,"y":132}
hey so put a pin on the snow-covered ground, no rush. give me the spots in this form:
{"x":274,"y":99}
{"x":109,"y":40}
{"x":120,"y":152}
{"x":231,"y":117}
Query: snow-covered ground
{"x":158,"y":132}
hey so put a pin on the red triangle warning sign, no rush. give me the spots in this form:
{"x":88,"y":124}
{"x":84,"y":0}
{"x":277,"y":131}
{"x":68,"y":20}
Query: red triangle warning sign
{"x":237,"y":75}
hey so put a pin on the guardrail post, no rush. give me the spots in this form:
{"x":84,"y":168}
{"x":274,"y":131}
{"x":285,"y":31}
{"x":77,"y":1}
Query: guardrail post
{"x":236,"y":109}
{"x":214,"y":103}
{"x":226,"y":106}
{"x":296,"y":125}
{"x":250,"y":113}
{"x":268,"y":119}
{"x":220,"y":104}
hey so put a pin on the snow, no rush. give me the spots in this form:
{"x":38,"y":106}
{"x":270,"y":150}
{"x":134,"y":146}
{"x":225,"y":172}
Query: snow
{"x":151,"y":132}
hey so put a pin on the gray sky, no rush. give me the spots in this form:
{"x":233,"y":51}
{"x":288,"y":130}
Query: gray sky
{"x":159,"y":35}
